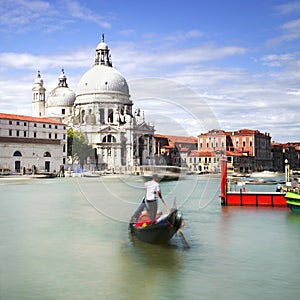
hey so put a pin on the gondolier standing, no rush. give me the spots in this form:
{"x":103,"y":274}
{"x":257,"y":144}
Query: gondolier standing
{"x":152,"y":193}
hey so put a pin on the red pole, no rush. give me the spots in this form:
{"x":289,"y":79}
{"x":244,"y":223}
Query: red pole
{"x":223,"y":181}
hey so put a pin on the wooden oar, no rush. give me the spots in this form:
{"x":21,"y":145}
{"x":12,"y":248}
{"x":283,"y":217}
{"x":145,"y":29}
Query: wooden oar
{"x":179,"y":230}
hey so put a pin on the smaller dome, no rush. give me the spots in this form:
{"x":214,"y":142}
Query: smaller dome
{"x":61,"y":96}
{"x":102,"y":46}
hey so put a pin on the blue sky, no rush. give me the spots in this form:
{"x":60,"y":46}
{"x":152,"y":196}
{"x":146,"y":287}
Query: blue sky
{"x":239,"y":59}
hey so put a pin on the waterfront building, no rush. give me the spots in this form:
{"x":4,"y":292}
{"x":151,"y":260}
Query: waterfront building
{"x":173,"y":150}
{"x":246,"y":151}
{"x":291,"y":152}
{"x":31,"y":144}
{"x":102,"y":110}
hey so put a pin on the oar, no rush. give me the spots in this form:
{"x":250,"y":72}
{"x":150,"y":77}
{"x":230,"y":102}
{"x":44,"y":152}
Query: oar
{"x":179,"y":230}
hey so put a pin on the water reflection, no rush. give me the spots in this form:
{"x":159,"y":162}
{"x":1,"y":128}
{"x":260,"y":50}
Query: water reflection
{"x":149,"y":271}
{"x":293,"y":218}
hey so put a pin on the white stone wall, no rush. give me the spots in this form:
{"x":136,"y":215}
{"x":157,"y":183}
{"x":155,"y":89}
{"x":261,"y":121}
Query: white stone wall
{"x":28,"y":142}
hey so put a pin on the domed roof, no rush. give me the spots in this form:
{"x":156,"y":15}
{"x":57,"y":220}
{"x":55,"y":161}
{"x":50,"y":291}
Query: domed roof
{"x":62,"y":95}
{"x":101,"y":79}
{"x":102,"y":46}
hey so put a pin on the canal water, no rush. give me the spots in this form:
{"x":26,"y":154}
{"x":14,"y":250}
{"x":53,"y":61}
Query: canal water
{"x":67,"y":238}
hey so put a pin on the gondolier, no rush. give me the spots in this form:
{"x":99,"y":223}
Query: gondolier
{"x":152,"y":193}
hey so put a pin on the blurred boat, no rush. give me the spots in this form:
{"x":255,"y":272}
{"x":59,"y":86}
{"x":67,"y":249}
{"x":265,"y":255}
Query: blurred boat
{"x":293,"y":201}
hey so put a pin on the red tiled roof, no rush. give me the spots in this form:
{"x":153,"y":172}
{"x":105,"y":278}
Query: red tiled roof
{"x":202,"y":153}
{"x":28,"y":118}
{"x":184,"y":149}
{"x":178,"y":139}
{"x":234,"y":153}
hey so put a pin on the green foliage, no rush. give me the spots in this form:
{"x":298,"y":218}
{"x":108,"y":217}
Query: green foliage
{"x":78,"y":148}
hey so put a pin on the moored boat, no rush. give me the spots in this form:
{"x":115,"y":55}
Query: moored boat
{"x":293,"y":201}
{"x":164,"y":173}
{"x":159,"y":231}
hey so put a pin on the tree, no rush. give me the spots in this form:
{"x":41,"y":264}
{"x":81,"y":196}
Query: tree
{"x":78,"y":148}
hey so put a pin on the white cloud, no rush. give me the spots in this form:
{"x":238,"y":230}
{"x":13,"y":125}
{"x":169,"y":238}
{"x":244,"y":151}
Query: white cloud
{"x":288,"y":8}
{"x":79,"y":59}
{"x":18,"y":16}
{"x":78,"y":11}
{"x":290,"y":32}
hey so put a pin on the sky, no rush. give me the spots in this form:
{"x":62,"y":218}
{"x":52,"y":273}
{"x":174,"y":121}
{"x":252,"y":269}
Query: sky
{"x":192,"y":65}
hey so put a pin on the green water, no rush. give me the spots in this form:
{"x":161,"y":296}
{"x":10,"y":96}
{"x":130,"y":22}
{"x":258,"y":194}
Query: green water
{"x":67,"y":238}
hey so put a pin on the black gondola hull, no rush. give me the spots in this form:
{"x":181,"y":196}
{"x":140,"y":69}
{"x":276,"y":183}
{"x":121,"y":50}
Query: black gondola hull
{"x":160,"y":232}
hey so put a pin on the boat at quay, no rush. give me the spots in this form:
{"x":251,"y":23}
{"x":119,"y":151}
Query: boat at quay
{"x":293,"y":201}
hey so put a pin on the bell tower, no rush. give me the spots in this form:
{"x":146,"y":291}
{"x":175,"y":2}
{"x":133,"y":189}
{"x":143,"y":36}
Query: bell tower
{"x":38,"y":97}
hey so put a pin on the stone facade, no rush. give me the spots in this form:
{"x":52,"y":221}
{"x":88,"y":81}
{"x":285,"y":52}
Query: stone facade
{"x":102,"y":110}
{"x":31,"y":144}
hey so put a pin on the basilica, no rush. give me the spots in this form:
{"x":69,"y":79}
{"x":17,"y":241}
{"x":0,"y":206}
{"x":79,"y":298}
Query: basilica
{"x":101,"y":109}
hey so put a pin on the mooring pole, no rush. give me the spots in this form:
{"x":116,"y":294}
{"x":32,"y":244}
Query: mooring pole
{"x":223,"y":180}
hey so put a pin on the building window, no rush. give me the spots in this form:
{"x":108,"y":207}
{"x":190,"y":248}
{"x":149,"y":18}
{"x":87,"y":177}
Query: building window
{"x":25,"y":124}
{"x":44,"y":126}
{"x":50,"y":126}
{"x":49,"y":135}
{"x":10,"y":122}
{"x":34,"y":134}
{"x":109,"y":139}
{"x":55,"y":126}
{"x":24,"y":133}
{"x":82,"y":116}
{"x":110,"y":118}
{"x":64,"y":148}
{"x":17,"y":153}
{"x":10,"y":132}
{"x":101,"y":112}
{"x":63,"y":111}
{"x":64,"y":136}
{"x":47,"y":154}
{"x":18,"y":123}
{"x":250,"y":143}
{"x":17,"y":133}
{"x":56,"y":135}
{"x":34,"y":124}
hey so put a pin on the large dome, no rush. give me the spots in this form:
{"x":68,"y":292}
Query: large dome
{"x":102,"y":79}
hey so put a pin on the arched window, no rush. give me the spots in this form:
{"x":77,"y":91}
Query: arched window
{"x":17,"y":153}
{"x":109,"y":139}
{"x":47,"y":154}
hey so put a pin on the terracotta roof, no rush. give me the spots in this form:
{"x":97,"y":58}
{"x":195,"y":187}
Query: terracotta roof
{"x":234,"y":153}
{"x":202,"y":153}
{"x":178,"y":139}
{"x":28,"y":118}
{"x":184,"y":149}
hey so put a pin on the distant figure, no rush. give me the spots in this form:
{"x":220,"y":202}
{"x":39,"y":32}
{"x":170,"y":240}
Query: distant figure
{"x":152,"y":193}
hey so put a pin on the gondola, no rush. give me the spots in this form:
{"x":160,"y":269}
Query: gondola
{"x":159,"y":231}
